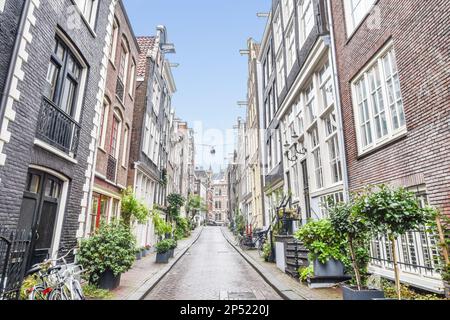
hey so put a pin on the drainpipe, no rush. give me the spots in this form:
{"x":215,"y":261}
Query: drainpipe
{"x":12,"y":65}
{"x":338,"y":105}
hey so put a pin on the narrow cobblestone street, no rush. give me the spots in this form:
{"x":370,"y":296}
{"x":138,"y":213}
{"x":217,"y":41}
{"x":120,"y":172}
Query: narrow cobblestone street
{"x":212,"y":270}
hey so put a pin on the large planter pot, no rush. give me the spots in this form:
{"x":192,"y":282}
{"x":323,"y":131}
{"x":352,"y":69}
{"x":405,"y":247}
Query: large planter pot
{"x":138,"y":255}
{"x":447,"y":289}
{"x":163,"y":257}
{"x":171,"y":253}
{"x":108,"y":281}
{"x":333,"y":268}
{"x":143,"y":253}
{"x":352,"y":293}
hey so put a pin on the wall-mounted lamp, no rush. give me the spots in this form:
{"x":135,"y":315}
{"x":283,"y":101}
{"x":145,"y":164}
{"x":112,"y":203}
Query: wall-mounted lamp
{"x":168,"y":48}
{"x":298,"y":152}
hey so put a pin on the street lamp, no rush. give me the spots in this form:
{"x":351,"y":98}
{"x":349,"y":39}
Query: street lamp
{"x":295,"y":156}
{"x":168,"y":48}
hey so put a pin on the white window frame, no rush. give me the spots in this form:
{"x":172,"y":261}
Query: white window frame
{"x":2,"y":5}
{"x":132,"y":78}
{"x":91,"y":19}
{"x":281,"y":74}
{"x":291,"y":49}
{"x":363,"y":78}
{"x":306,"y":19}
{"x":353,"y":18}
{"x":277,"y":30}
{"x":105,"y":114}
{"x":114,"y":41}
{"x":126,"y":138}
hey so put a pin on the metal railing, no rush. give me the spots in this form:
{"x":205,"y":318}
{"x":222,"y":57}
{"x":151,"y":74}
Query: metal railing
{"x":14,"y":247}
{"x":57,"y":128}
{"x":418,"y":253}
{"x":111,"y":169}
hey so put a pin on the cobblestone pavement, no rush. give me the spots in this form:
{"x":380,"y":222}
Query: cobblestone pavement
{"x":212,"y":270}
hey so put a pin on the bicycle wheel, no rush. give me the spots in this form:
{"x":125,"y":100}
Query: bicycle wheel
{"x":56,"y":295}
{"x":78,"y":291}
{"x":38,"y":293}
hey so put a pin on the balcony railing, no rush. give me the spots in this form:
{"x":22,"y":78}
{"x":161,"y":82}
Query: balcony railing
{"x":111,"y":169}
{"x":120,"y":89}
{"x":57,"y":128}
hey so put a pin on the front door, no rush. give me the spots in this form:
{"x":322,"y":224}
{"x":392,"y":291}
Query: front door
{"x":39,"y":213}
{"x":306,"y":189}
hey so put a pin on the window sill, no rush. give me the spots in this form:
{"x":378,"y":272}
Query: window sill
{"x":383,"y":145}
{"x":54,"y":150}
{"x":102,"y":150}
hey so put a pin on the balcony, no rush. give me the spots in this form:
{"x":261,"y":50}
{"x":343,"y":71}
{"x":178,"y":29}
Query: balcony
{"x":111,"y":169}
{"x":57,"y":128}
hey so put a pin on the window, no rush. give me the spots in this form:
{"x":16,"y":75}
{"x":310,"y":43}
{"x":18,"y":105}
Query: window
{"x":379,"y":103}
{"x":281,"y":78}
{"x":318,"y":170}
{"x":287,"y":9}
{"x":114,"y":39}
{"x":335,"y":159}
{"x":63,"y":78}
{"x":126,"y":134}
{"x":327,"y":201}
{"x":146,"y":143}
{"x":88,"y":9}
{"x":326,"y":86}
{"x":156,"y":98}
{"x":123,"y":70}
{"x":132,"y":78}
{"x":310,"y":103}
{"x":355,"y":11}
{"x":278,"y":31}
{"x":291,"y":49}
{"x":306,"y":15}
{"x":115,"y":136}
{"x":103,"y":124}
{"x":2,"y":5}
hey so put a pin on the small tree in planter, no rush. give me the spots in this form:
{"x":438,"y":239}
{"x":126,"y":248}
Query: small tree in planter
{"x":107,"y":254}
{"x":395,"y":212}
{"x":324,"y":243}
{"x":348,"y":221}
{"x":163,"y":251}
{"x":162,"y":227}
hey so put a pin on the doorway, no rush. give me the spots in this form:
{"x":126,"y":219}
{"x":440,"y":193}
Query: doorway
{"x":39,"y":213}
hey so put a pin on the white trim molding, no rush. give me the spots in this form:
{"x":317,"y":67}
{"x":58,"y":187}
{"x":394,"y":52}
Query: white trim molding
{"x":90,"y":171}
{"x":13,"y":93}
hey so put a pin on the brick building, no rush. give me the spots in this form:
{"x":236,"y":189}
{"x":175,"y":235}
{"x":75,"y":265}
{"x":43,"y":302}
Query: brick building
{"x":49,"y":118}
{"x":219,"y":188}
{"x":393,"y":68}
{"x":116,"y":121}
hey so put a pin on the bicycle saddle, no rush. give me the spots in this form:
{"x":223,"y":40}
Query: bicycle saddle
{"x":33,"y":270}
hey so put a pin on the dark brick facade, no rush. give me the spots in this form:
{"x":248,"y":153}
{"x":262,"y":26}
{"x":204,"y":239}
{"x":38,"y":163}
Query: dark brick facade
{"x":21,"y":151}
{"x":421,"y":39}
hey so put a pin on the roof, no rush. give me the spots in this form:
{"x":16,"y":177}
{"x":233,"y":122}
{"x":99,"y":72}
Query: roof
{"x":146,"y":44}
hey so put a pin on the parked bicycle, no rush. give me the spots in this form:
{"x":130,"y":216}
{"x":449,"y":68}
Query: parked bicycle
{"x":56,"y":282}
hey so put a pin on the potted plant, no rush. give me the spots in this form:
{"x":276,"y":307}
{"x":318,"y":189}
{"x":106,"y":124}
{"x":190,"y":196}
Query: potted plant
{"x":148,"y":249}
{"x":143,"y":252}
{"x":326,"y":247}
{"x":394,"y":212}
{"x":107,"y":254}
{"x":173,"y":246}
{"x":348,"y":221}
{"x":163,"y":251}
{"x":138,"y":254}
{"x":132,"y":208}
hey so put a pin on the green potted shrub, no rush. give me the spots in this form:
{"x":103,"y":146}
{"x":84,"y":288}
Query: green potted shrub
{"x":348,"y":221}
{"x":394,"y":212}
{"x":138,"y":254}
{"x":132,"y":208}
{"x":107,"y":254}
{"x":173,"y":246}
{"x":163,"y":251}
{"x":326,"y":247}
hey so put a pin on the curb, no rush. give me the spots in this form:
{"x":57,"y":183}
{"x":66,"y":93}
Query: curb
{"x":151,"y":283}
{"x":283,"y":290}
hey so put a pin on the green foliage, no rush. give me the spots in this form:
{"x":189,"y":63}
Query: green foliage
{"x":305,"y":273}
{"x":239,"y":223}
{"x":323,"y":242}
{"x":407,"y":293}
{"x":267,"y":251}
{"x":175,"y":201}
{"x":27,"y":285}
{"x":161,"y":226}
{"x":446,"y":273}
{"x":395,"y":211}
{"x":91,"y":292}
{"x":195,"y":203}
{"x":133,"y":208}
{"x":173,"y":243}
{"x":348,"y":221}
{"x":183,"y":228}
{"x":164,"y":246}
{"x":112,"y":247}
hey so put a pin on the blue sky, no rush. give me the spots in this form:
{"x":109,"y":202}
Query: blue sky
{"x":212,"y":75}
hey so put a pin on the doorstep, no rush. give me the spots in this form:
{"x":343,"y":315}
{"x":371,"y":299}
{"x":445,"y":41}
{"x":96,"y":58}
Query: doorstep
{"x":288,"y":287}
{"x":146,"y":273}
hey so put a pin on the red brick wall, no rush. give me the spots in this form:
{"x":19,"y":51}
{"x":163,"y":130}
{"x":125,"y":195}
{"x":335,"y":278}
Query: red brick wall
{"x":421,"y":39}
{"x":126,"y":107}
